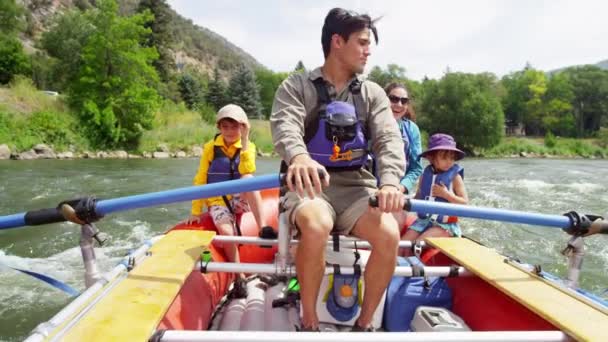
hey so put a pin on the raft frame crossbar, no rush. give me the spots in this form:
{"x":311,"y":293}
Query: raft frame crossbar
{"x":272,"y":336}
{"x":347,"y":242}
{"x":403,"y":271}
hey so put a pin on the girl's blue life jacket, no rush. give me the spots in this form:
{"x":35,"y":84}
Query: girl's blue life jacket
{"x":429,"y":177}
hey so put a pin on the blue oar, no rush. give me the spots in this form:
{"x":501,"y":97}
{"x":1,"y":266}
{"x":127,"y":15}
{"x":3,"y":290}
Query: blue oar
{"x":494,"y":214}
{"x":104,"y":207}
{"x":51,"y":281}
{"x":449,"y":209}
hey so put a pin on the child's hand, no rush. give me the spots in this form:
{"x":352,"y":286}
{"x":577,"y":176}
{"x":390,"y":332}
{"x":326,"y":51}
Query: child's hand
{"x":440,"y":190}
{"x":193,"y":219}
{"x":244,"y":131}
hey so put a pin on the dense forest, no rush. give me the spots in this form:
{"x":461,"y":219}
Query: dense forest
{"x":125,"y":69}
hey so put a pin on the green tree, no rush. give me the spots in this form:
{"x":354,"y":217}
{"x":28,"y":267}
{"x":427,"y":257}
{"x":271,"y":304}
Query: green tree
{"x":395,"y":73}
{"x":590,"y":101}
{"x":161,"y":36}
{"x":466,"y":107}
{"x":64,"y":42}
{"x":534,"y":106}
{"x":524,"y":100}
{"x":268,"y":82}
{"x":114,"y":94}
{"x":13,"y":60}
{"x":42,"y":70}
{"x":10,"y":17}
{"x":558,"y":118}
{"x":243,"y":91}
{"x":216,"y":91}
{"x":300,"y":67}
{"x":191,"y":91}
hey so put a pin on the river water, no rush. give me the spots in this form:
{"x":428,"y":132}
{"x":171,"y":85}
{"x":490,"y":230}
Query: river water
{"x":535,"y":185}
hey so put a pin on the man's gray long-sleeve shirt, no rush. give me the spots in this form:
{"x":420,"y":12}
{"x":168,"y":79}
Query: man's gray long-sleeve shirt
{"x":296,"y":101}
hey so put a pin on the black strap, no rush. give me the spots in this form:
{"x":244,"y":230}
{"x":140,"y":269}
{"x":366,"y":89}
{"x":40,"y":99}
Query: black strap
{"x":360,"y":108}
{"x":453,"y":271}
{"x":84,"y":208}
{"x":311,"y":126}
{"x":236,"y":222}
{"x":336,"y":268}
{"x":417,"y":270}
{"x":336,"y":240}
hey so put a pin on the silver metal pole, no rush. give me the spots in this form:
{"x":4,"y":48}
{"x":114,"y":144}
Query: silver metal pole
{"x":274,"y":336}
{"x":404,"y":271}
{"x":344,"y":241}
{"x":283,"y":258}
{"x":91,"y":273}
{"x":575,"y":251}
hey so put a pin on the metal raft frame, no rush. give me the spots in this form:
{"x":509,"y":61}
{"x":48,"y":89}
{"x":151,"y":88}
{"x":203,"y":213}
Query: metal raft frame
{"x":271,"y":336}
{"x":96,"y":288}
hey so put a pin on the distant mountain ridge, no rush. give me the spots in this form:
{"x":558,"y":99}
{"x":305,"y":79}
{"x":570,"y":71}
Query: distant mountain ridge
{"x":196,"y":46}
{"x":603,"y":65}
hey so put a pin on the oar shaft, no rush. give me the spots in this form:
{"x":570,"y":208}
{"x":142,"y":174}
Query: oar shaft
{"x":440,"y":208}
{"x":104,"y":207}
{"x":11,"y":221}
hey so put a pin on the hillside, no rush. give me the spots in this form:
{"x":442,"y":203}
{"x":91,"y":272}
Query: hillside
{"x":603,"y":65}
{"x":196,"y":46}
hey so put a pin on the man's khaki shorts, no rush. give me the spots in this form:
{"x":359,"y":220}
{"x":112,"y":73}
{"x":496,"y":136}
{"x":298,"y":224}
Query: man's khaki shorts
{"x":346,"y":199}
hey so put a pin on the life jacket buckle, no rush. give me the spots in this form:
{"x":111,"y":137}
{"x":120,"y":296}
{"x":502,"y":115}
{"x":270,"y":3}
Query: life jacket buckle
{"x":348,"y":155}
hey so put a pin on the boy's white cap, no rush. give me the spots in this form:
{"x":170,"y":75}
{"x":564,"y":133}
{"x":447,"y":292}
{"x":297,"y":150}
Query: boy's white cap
{"x":234,"y":112}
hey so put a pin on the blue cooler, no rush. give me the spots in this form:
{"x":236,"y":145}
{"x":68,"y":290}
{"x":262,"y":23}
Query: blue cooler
{"x":405,"y":294}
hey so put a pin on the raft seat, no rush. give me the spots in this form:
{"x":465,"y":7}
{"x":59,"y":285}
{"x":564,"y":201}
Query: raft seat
{"x":570,"y":314}
{"x":134,"y":308}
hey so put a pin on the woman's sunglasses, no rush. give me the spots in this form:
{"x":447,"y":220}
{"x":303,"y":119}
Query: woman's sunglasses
{"x":395,"y":99}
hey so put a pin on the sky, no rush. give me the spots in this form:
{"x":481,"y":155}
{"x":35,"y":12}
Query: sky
{"x":424,"y":37}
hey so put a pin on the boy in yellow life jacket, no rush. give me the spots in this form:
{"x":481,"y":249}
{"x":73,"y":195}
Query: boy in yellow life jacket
{"x":230,"y":155}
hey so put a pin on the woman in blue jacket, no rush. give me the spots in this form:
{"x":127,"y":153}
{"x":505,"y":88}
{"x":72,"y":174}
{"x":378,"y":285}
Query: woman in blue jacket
{"x":403,"y":111}
{"x":405,"y":115}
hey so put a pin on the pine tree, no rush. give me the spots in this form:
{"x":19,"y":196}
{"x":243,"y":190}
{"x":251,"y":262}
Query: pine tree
{"x":190,"y":90}
{"x":161,"y":37}
{"x":243,"y":91}
{"x":216,"y":91}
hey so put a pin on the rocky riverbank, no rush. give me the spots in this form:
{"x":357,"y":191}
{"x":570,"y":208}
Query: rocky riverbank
{"x":43,"y":151}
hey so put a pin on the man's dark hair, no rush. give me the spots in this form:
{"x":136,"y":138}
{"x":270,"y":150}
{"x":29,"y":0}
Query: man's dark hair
{"x":343,"y":22}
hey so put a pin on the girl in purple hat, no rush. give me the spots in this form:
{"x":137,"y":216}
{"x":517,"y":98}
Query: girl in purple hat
{"x":441,"y":181}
